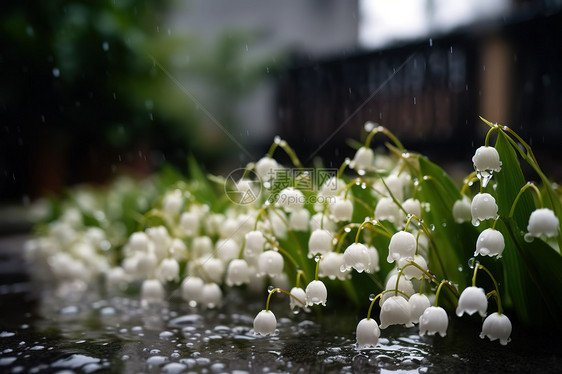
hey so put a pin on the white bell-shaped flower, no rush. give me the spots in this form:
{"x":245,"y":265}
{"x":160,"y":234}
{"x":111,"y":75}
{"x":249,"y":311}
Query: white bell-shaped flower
{"x":434,"y":320}
{"x":201,"y":246}
{"x":168,"y":271}
{"x":413,"y":207}
{"x":483,"y":207}
{"x":486,"y":160}
{"x":472,"y":300}
{"x":341,"y":209}
{"x":412,"y":271}
{"x":320,"y":220}
{"x":152,"y":292}
{"x":387,"y":209}
{"x":402,"y":245}
{"x":363,"y":160}
{"x":299,"y":219}
{"x":404,"y":286}
{"x":265,"y":323}
{"x":332,"y":187}
{"x":395,"y":311}
{"x":189,"y":224}
{"x":490,"y":242}
{"x":320,"y":242}
{"x":255,"y":242}
{"x":162,"y":240}
{"x":227,"y":249}
{"x":191,"y":289}
{"x":211,"y":295}
{"x":278,"y":224}
{"x":146,"y":264}
{"x":367,"y":333}
{"x":497,"y":326}
{"x":462,"y":210}
{"x":238,"y":273}
{"x":356,"y":256}
{"x":543,"y":222}
{"x":373,"y":260}
{"x":139,"y":242}
{"x":178,"y":250}
{"x":396,"y":185}
{"x":332,"y":265}
{"x":116,"y":278}
{"x":270,"y":263}
{"x":299,"y":294}
{"x":316,"y":293}
{"x":267,"y":168}
{"x":213,"y":269}
{"x":418,"y":304}
{"x":172,"y":203}
{"x":290,"y":199}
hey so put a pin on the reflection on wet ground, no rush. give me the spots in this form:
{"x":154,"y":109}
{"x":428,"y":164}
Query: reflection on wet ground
{"x":118,"y":334}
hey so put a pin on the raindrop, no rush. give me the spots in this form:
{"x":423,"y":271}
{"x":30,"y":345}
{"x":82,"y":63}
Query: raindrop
{"x":369,"y":126}
{"x":460,"y":268}
{"x":414,"y":100}
{"x":471,"y":262}
{"x":277,"y":139}
{"x":56,"y":72}
{"x":270,"y":289}
{"x":430,"y":42}
{"x":347,"y":229}
{"x":476,"y":222}
{"x":316,"y":258}
{"x":105,"y":46}
{"x":372,"y":297}
{"x":451,"y":49}
{"x":528,"y":237}
{"x":432,"y":227}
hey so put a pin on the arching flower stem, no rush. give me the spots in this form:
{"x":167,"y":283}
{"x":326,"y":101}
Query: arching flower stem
{"x":451,"y":287}
{"x":342,"y":167}
{"x":388,"y":133}
{"x":300,"y":274}
{"x":496,"y":291}
{"x":379,"y":295}
{"x":528,"y":185}
{"x":320,"y":258}
{"x":468,"y":181}
{"x":374,"y":224}
{"x":278,"y":142}
{"x":275,"y":290}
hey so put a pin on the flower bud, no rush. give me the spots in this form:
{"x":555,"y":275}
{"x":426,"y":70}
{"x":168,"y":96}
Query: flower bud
{"x":363,"y":160}
{"x":341,"y":209}
{"x":461,"y":210}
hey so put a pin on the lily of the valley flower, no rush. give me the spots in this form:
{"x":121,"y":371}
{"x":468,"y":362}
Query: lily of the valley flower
{"x":402,"y":245}
{"x":497,"y":326}
{"x":316,"y":293}
{"x":270,"y":263}
{"x":363,"y":160}
{"x":395,"y":311}
{"x":341,"y":209}
{"x":462,"y":210}
{"x":491,"y":243}
{"x":418,"y":304}
{"x":238,"y":273}
{"x":356,"y":256}
{"x":320,"y":242}
{"x":434,"y":320}
{"x":483,"y":207}
{"x":472,"y":300}
{"x":486,"y":160}
{"x":543,"y":222}
{"x":367,"y":333}
{"x":265,"y":323}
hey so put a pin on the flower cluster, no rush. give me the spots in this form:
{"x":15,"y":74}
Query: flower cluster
{"x":395,"y":218}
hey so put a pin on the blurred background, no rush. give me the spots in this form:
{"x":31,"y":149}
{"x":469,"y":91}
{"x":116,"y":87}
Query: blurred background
{"x":92,"y":90}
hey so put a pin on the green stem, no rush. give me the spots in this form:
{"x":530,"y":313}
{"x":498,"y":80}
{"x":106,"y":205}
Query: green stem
{"x":492,"y":129}
{"x":379,"y":295}
{"x":498,"y":298}
{"x":300,"y":274}
{"x":528,"y":185}
{"x":280,"y":290}
{"x":342,"y":167}
{"x":388,"y":133}
{"x":317,"y":267}
{"x":471,"y":178}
